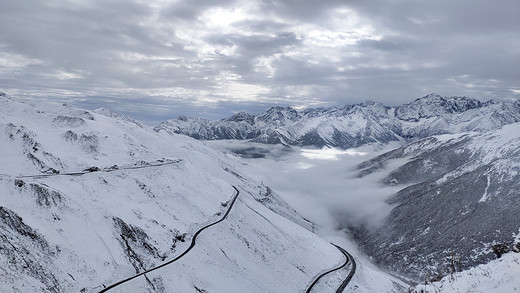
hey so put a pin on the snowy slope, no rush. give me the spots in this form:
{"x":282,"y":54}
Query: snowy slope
{"x":316,"y":183}
{"x":65,"y":233}
{"x":498,"y":276}
{"x":354,"y":125}
{"x":460,"y":194}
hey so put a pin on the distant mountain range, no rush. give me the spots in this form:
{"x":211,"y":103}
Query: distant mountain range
{"x":353,"y":125}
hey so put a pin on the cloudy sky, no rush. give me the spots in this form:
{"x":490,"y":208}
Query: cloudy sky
{"x":157,"y":59}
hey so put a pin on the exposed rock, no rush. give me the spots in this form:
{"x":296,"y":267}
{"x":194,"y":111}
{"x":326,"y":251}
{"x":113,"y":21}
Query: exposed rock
{"x":25,"y":251}
{"x":137,"y":246}
{"x":90,"y":143}
{"x":499,"y":249}
{"x":62,"y":120}
{"x":47,"y":197}
{"x":70,"y":135}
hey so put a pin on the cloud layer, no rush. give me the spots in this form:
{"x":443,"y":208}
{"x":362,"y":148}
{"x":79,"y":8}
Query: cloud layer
{"x":321,"y":184}
{"x":158,"y":59}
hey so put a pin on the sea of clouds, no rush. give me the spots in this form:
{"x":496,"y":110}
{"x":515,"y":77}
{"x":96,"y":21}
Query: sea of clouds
{"x":323,"y":185}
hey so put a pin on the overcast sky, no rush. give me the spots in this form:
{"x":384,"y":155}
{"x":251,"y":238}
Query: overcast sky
{"x":157,"y":59}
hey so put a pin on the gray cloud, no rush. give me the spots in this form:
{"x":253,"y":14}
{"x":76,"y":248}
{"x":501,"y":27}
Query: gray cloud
{"x":190,"y":10}
{"x":187,"y":55}
{"x":301,"y":10}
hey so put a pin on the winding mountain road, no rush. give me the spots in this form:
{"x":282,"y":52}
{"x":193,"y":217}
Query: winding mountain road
{"x":106,"y":170}
{"x":348,"y":257}
{"x":193,"y":240}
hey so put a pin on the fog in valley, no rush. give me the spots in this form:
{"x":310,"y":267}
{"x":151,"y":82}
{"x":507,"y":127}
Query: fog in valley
{"x":321,"y":184}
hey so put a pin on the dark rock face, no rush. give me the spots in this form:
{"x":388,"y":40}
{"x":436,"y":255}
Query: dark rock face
{"x":273,"y":137}
{"x":68,"y":121}
{"x":459,"y":203}
{"x":89,"y":142}
{"x":137,"y":245}
{"x":26,"y":252}
{"x":27,"y":137}
{"x":70,"y":136}
{"x":239,"y":117}
{"x":27,"y":140}
{"x":46,"y":197}
{"x":313,"y":138}
{"x":85,"y":115}
{"x":279,"y":115}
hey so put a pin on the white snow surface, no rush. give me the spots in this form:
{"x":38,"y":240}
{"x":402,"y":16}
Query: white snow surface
{"x":498,"y":276}
{"x":90,"y":230}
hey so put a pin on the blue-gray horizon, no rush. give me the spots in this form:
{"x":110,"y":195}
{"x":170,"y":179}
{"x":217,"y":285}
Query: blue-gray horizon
{"x":156,"y":60}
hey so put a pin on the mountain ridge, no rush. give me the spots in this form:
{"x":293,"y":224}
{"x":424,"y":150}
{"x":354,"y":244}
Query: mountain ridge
{"x":353,"y":125}
{"x":458,"y":198}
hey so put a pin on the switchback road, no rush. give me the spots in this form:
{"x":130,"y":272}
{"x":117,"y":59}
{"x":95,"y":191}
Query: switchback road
{"x":343,"y":285}
{"x":193,"y":239}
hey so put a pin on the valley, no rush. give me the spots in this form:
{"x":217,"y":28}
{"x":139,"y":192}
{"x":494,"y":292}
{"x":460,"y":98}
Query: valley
{"x":267,"y":146}
{"x":94,"y":201}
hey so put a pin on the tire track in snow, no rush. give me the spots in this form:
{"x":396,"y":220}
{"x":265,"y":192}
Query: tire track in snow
{"x":193,"y":240}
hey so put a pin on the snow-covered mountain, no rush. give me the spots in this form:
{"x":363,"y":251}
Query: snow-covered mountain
{"x":88,"y":198}
{"x":354,"y":125}
{"x":460,"y":201}
{"x":459,"y":176}
{"x":497,"y":276}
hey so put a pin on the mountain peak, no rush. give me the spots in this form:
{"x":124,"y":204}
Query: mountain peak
{"x":431,"y":96}
{"x":241,"y":116}
{"x":434,"y":105}
{"x":280,"y":109}
{"x":279,"y":115}
{"x":367,"y":103}
{"x":109,"y":113}
{"x":4,"y":95}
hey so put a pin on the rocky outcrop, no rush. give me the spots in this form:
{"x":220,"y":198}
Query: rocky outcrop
{"x":26,"y":252}
{"x":137,"y":246}
{"x":46,"y":197}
